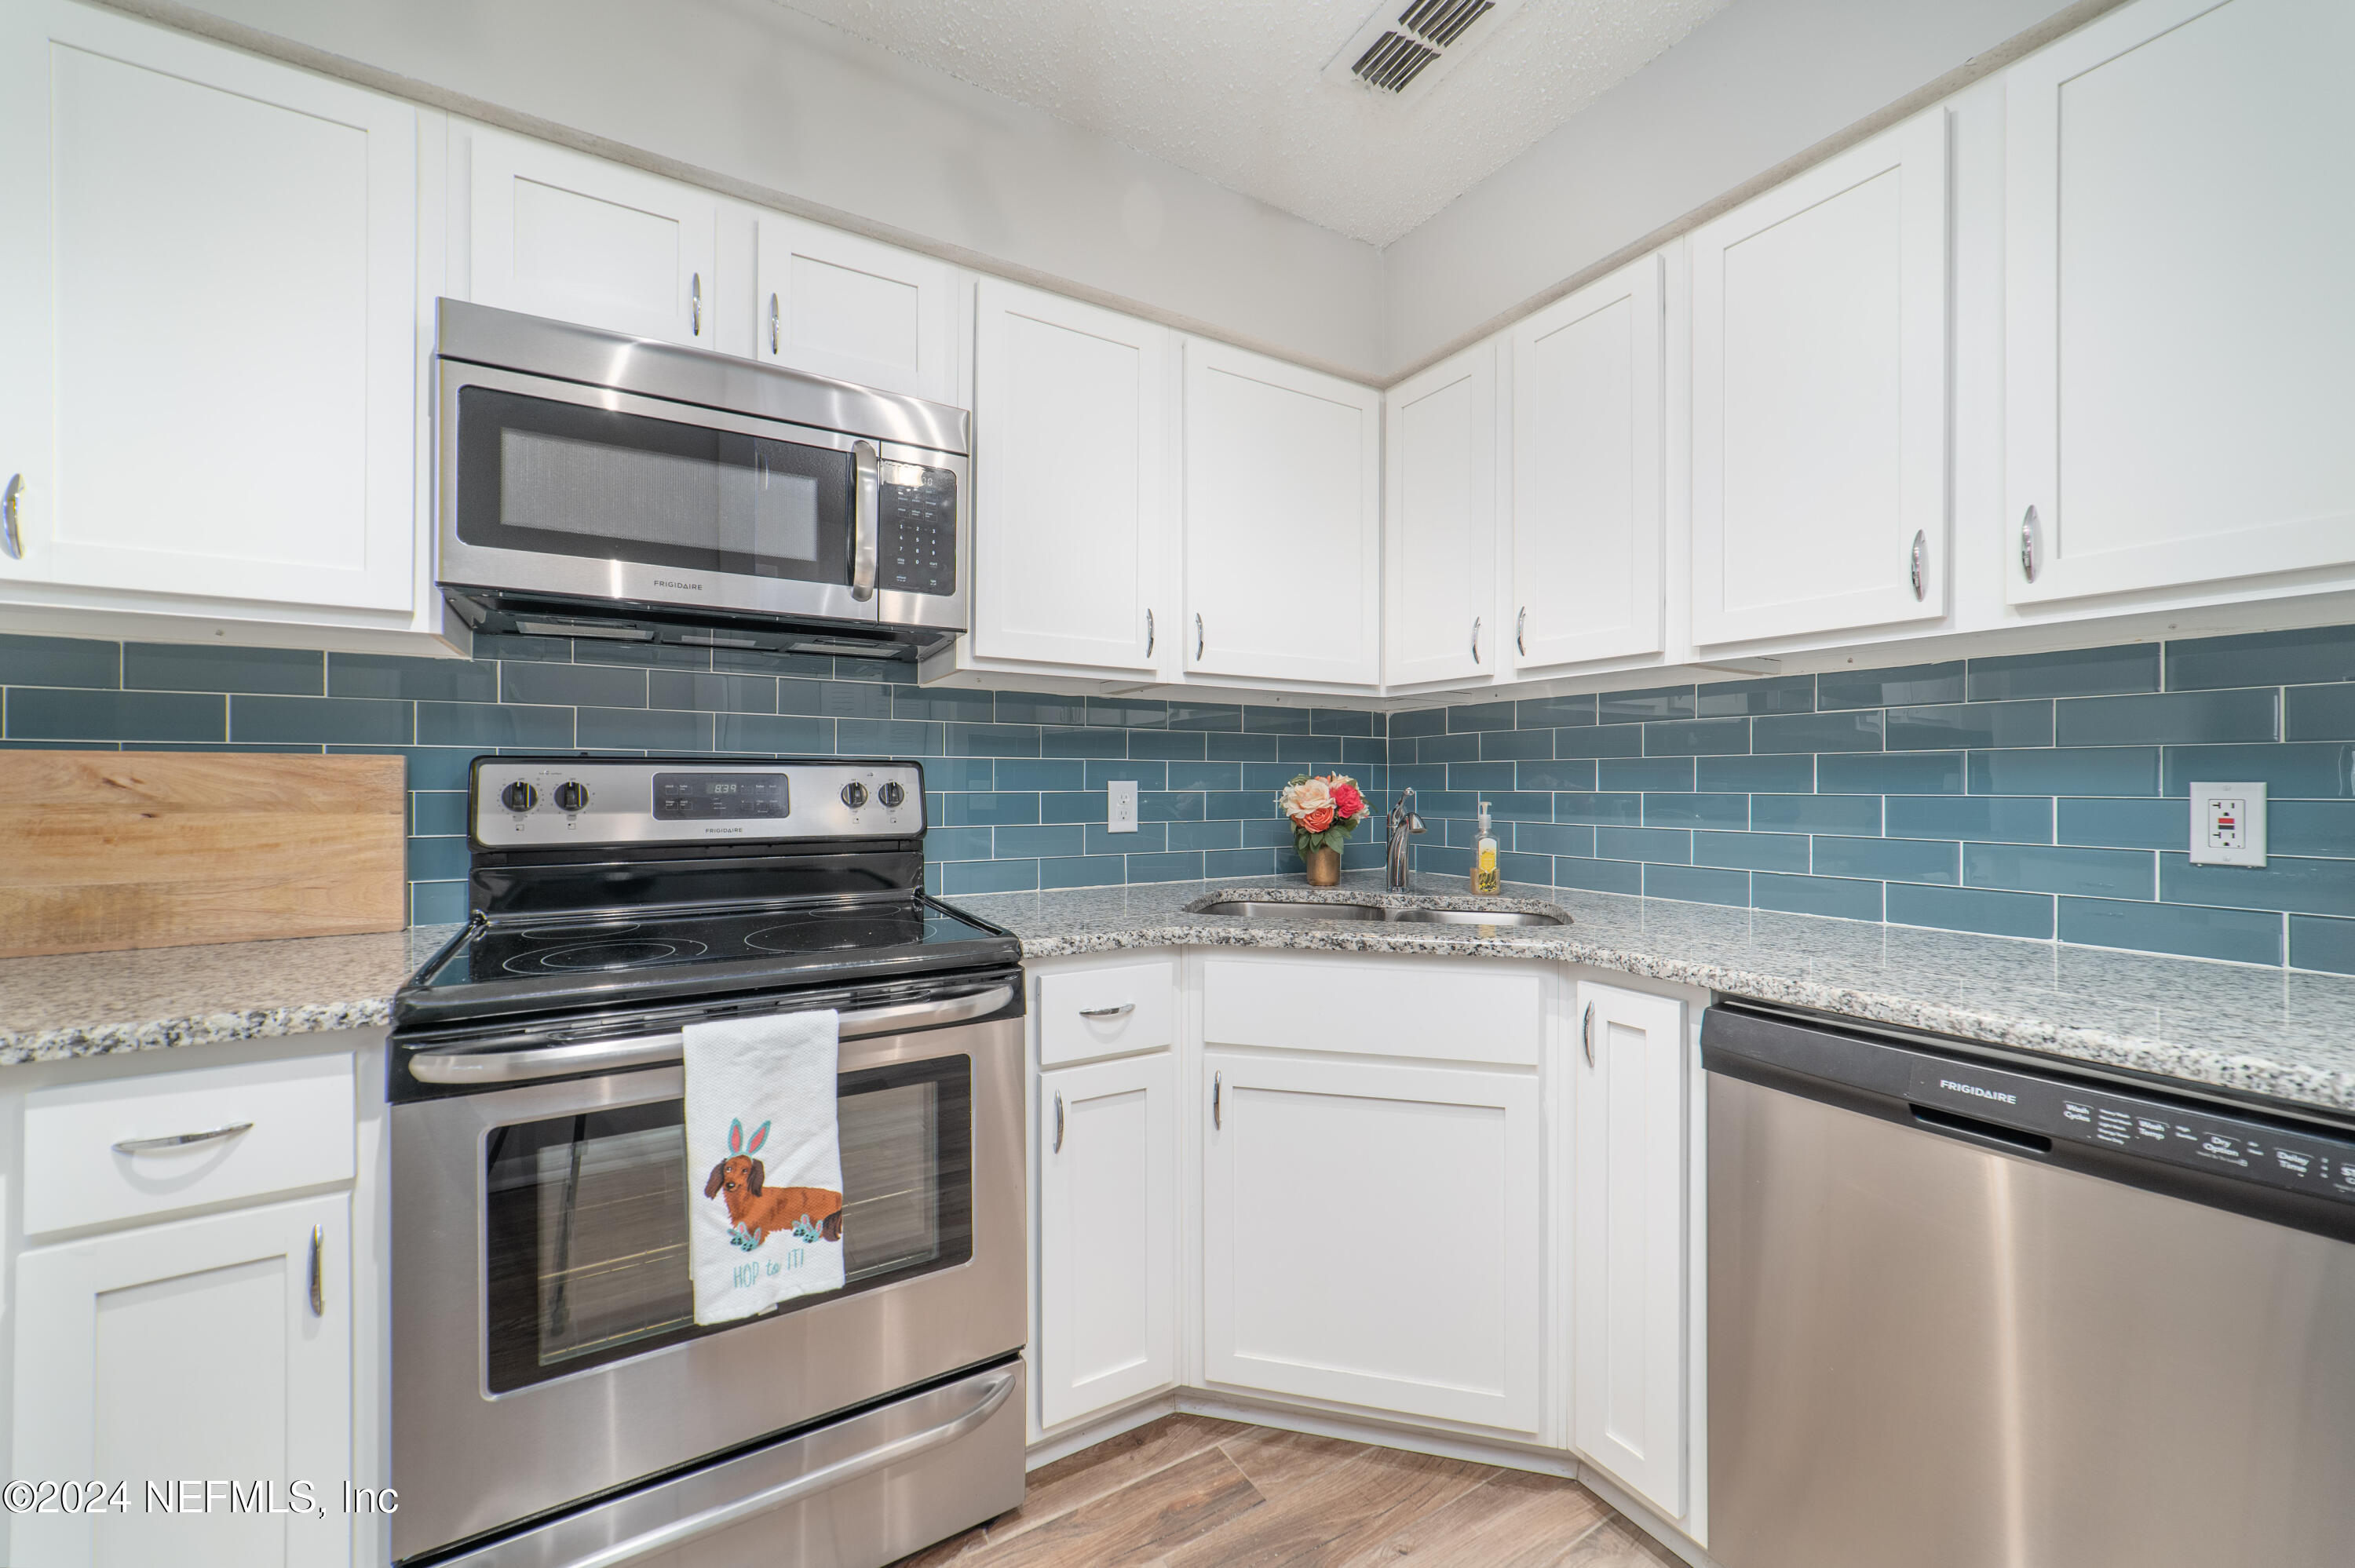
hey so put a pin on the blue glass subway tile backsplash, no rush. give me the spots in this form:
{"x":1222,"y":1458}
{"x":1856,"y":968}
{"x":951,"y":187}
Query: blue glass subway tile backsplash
{"x":2036,"y":795}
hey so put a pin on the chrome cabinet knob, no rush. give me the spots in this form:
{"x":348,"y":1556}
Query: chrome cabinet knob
{"x":1476,"y":640}
{"x":2027,"y":544}
{"x":1920,"y":562}
{"x":1521,"y":632}
{"x":11,"y":539}
{"x":695,"y":305}
{"x":773,"y":324}
{"x":1148,"y":634}
{"x":1198,"y":635}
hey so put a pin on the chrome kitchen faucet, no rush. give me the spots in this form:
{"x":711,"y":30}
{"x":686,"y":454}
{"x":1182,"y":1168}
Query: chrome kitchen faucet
{"x":1403,"y":821}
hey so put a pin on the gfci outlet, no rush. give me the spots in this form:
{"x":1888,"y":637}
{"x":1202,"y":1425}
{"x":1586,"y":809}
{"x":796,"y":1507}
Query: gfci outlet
{"x":1120,"y":806}
{"x":2228,"y":824}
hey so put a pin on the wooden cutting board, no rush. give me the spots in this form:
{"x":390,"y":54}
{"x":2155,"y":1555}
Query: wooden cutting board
{"x":104,"y":850}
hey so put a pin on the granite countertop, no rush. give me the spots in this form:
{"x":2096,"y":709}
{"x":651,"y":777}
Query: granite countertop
{"x":89,"y":1004}
{"x":2283,"y":1035}
{"x":2273,"y":1032}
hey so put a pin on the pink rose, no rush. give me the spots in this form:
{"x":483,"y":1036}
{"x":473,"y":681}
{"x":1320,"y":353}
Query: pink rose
{"x":1348,"y":804}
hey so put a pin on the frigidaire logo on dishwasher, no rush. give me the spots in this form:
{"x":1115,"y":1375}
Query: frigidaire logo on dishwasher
{"x":1974,"y":1089}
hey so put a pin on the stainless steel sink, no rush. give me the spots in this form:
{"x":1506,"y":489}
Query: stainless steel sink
{"x":1422,"y":916}
{"x":1296,"y":911}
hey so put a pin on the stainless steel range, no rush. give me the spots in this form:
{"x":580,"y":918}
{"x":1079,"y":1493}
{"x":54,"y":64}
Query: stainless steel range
{"x":554,"y":1404}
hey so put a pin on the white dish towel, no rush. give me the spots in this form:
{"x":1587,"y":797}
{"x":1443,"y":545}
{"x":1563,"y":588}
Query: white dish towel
{"x":764,"y":1155}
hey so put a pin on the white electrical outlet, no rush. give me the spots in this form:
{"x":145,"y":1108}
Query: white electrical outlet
{"x":2228,"y":824}
{"x":1120,"y":806}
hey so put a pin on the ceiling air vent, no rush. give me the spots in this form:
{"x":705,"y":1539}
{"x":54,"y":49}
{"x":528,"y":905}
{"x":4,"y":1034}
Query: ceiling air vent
{"x":1409,"y":46}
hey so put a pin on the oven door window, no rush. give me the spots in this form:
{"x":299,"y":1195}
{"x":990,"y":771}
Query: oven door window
{"x":585,"y":1217}
{"x":554,"y":477}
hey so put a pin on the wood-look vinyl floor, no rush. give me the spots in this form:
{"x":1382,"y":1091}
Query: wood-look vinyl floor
{"x":1188,"y":1491}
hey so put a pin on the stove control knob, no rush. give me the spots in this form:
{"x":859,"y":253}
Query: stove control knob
{"x":519,"y":797}
{"x":892,"y":794}
{"x":854,"y":795}
{"x":572,"y":794}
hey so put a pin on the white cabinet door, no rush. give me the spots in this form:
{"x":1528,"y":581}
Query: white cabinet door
{"x":210,"y":321}
{"x":1587,"y":479}
{"x":190,"y":1350}
{"x":857,"y":310}
{"x":556,"y":233}
{"x":1627,"y":1403}
{"x":1107,"y":1234}
{"x":1371,"y":1236}
{"x":1819,"y":397}
{"x":2177,"y":396}
{"x":1071,"y":416}
{"x":1282,"y":521}
{"x":1439,"y":526}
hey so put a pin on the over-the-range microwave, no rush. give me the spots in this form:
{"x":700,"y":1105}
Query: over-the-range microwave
{"x":595,"y":485}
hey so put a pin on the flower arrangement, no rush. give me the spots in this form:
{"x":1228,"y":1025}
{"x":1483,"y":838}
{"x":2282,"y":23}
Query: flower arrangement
{"x":1323,"y":809}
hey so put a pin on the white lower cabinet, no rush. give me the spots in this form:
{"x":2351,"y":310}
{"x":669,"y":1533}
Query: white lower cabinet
{"x":211,"y":1349}
{"x":1371,"y":1236}
{"x":1107,"y":1234}
{"x":1628,"y":1241}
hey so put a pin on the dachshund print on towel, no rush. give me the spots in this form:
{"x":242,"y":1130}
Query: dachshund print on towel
{"x":755,"y":1211}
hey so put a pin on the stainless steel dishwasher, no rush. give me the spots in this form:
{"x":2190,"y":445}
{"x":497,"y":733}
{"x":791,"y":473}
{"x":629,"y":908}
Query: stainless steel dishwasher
{"x":1974,"y":1314}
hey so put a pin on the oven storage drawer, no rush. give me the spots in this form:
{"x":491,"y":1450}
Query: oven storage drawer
{"x":129,"y":1149}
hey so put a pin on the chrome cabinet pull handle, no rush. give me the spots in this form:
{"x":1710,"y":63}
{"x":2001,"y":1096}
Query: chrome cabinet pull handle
{"x":1476,"y":640}
{"x":1218,"y":1119}
{"x":2027,"y":544}
{"x":865,"y":511}
{"x":1588,"y":1029}
{"x":1122,"y":1010}
{"x":460,"y":1066}
{"x":1521,"y":632}
{"x":1920,"y":562}
{"x":1198,"y":635}
{"x":1148,"y":634}
{"x":10,"y":539}
{"x":318,"y":1277}
{"x":1059,"y":1123}
{"x":773,"y":324}
{"x":181,"y":1140}
{"x":695,"y":305}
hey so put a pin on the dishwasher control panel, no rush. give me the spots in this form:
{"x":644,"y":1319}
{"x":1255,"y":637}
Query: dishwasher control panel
{"x":2151,"y":1129}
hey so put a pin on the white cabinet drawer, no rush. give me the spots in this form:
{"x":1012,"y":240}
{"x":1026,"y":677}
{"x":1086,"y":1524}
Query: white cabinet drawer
{"x":1448,"y":1010}
{"x":1107,"y":1012}
{"x":296,"y":1116}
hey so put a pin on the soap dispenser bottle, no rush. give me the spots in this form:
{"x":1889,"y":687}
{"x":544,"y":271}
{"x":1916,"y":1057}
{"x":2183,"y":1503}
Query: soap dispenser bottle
{"x":1484,"y":856}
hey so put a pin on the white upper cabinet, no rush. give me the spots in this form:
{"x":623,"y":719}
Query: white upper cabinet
{"x":1282,"y":521}
{"x":1819,"y":397}
{"x":1439,"y":529}
{"x":1628,"y":1250}
{"x":1586,"y":533}
{"x":1073,"y":415}
{"x":558,"y":234}
{"x":209,"y":319}
{"x":857,"y":310}
{"x":2178,"y":401}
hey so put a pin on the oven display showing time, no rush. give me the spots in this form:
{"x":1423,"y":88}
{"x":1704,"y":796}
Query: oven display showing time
{"x":714,"y":797}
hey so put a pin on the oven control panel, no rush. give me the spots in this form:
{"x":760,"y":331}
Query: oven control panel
{"x":543,"y":803}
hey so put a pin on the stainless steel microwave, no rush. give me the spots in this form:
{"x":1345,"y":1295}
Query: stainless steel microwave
{"x":592,"y":485}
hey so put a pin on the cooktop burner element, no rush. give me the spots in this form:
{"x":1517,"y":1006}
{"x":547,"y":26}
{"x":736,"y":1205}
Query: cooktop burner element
{"x":602,"y":955}
{"x":623,"y":903}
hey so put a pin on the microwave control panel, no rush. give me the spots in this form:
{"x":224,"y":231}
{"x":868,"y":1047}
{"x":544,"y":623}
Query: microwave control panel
{"x":916,"y":533}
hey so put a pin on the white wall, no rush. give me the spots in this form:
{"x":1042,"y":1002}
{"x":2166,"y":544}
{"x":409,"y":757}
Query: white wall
{"x":1755,"y":85}
{"x":790,"y":107}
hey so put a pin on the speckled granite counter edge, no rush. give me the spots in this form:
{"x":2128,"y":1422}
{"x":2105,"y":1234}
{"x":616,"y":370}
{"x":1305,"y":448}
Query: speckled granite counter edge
{"x":2281,"y":1081}
{"x":205,"y":1029}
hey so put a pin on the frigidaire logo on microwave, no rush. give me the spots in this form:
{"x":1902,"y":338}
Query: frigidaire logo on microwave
{"x":669,"y":583}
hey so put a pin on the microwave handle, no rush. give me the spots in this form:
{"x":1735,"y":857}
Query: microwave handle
{"x":473,"y":1068}
{"x":866,"y":509}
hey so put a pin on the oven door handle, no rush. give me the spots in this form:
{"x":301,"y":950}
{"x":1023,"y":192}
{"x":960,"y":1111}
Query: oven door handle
{"x":993,"y":1390}
{"x":478,"y":1067}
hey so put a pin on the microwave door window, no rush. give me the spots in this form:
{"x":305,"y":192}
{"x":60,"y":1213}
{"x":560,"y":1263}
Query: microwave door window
{"x":552,"y":477}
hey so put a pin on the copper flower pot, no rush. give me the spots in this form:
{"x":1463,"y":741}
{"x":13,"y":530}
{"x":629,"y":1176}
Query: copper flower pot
{"x":1324,"y":867}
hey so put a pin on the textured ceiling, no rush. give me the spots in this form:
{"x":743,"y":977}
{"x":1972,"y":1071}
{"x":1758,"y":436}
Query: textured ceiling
{"x":1233,"y":88}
